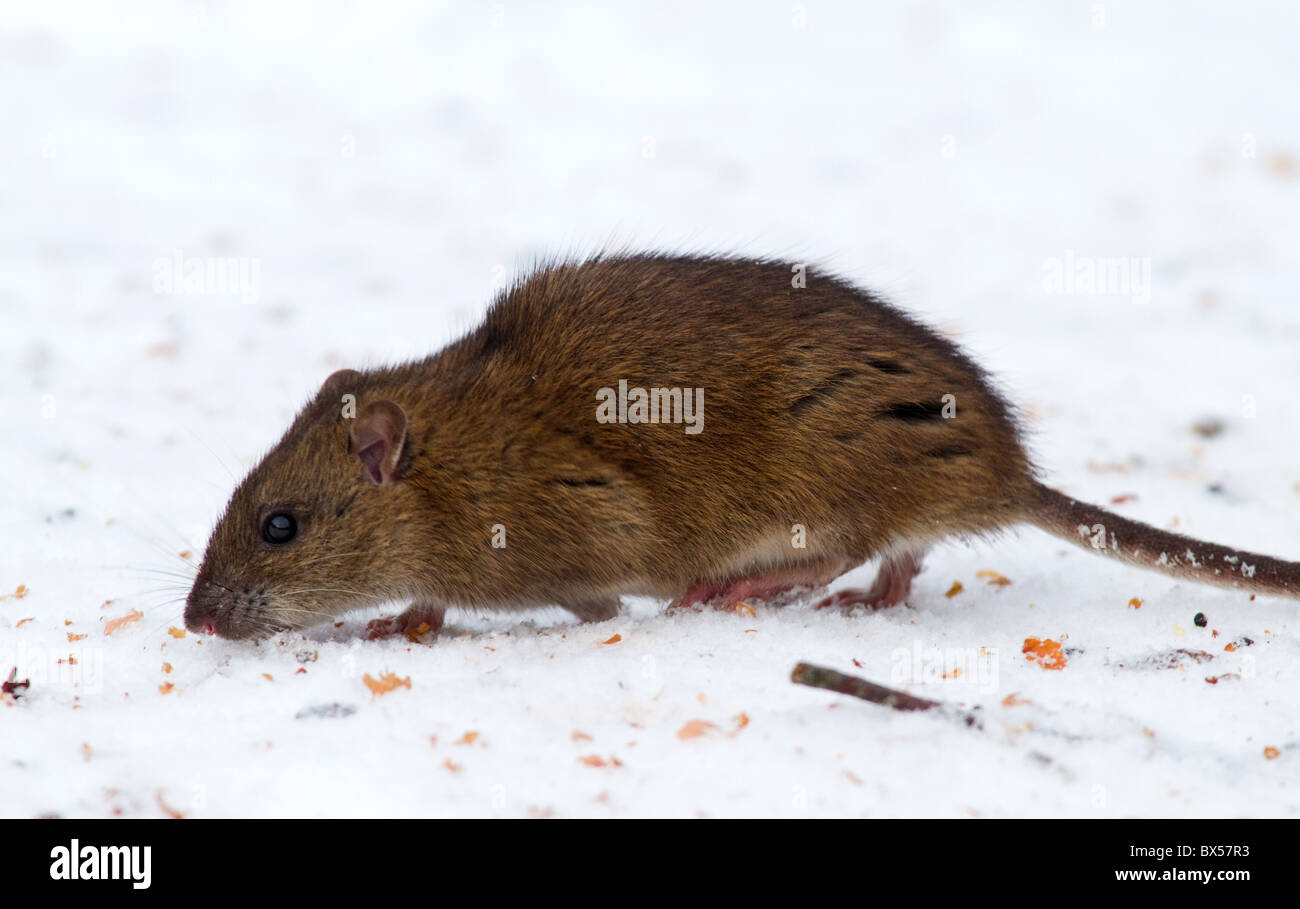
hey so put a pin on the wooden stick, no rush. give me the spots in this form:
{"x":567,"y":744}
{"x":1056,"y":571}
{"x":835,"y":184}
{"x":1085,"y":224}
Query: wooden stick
{"x":821,"y":677}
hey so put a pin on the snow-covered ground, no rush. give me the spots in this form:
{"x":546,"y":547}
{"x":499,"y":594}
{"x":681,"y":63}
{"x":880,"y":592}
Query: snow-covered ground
{"x":378,"y":169}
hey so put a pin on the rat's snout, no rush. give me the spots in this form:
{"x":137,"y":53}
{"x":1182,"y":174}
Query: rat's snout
{"x":226,"y":611}
{"x":201,"y":607}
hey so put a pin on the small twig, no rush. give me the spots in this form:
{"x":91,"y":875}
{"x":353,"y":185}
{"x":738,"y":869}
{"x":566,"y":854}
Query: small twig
{"x":821,"y":677}
{"x":14,"y":688}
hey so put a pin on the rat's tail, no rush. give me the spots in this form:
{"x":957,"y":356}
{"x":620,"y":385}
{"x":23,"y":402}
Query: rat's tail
{"x":1141,"y":544}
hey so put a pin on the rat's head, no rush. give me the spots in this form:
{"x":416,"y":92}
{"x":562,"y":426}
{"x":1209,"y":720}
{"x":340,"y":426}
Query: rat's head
{"x":310,"y":532}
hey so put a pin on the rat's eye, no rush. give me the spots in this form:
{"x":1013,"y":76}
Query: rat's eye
{"x":279,"y":528}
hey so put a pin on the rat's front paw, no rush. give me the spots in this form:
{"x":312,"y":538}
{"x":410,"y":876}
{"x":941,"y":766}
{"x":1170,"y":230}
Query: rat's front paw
{"x":414,"y":624}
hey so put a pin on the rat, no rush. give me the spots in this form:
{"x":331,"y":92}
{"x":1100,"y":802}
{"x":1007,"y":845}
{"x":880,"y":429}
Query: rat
{"x":694,"y":428}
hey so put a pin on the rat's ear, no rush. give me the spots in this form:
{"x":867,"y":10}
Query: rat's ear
{"x":378,"y":436}
{"x":339,"y":383}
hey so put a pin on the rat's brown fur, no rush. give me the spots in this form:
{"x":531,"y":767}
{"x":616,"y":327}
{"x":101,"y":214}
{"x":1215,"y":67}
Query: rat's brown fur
{"x":823,"y":407}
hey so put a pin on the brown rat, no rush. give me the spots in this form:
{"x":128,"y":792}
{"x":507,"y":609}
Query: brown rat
{"x":814,"y":428}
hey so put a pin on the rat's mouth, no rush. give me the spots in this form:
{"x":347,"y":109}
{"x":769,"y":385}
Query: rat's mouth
{"x":233,"y":630}
{"x":221,"y":626}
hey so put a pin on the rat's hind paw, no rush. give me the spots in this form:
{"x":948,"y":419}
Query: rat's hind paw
{"x":764,"y":585}
{"x":889,"y":589}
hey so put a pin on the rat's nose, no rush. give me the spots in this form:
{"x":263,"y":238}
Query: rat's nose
{"x":200,"y":608}
{"x":196,"y":622}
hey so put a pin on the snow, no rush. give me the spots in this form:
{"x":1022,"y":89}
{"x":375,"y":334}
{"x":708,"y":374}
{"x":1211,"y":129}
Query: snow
{"x":386,"y":167}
